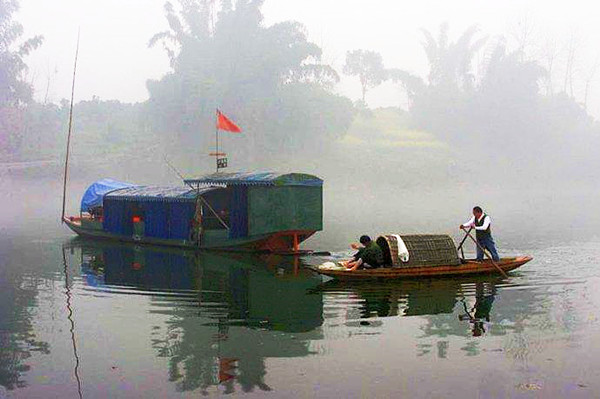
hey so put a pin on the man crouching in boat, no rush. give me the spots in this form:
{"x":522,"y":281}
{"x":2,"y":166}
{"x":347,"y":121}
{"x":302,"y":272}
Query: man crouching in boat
{"x":483,"y":233}
{"x":369,"y":256}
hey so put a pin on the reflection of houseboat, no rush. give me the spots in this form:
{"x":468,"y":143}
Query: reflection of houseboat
{"x":243,"y":285}
{"x":221,"y":322}
{"x":243,"y":211}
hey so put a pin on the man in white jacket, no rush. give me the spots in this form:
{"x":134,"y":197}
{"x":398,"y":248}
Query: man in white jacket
{"x":483,"y":233}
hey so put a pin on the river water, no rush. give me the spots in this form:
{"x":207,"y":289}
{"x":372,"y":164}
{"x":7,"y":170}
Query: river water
{"x":93,"y":319}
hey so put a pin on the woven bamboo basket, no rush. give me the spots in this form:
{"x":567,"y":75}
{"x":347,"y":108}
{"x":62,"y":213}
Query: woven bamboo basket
{"x":424,"y":250}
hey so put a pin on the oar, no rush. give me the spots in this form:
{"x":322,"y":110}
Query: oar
{"x":462,"y":242}
{"x":471,"y":318}
{"x":464,"y":239}
{"x":484,"y":251}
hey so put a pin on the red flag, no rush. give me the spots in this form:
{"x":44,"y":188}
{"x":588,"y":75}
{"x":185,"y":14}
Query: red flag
{"x":224,"y":123}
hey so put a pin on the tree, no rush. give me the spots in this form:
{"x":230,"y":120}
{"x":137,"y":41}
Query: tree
{"x":572,"y":48}
{"x":590,"y":76}
{"x":13,"y":90}
{"x":450,"y":63}
{"x":266,"y":78}
{"x":368,"y":66}
{"x":439,"y":103}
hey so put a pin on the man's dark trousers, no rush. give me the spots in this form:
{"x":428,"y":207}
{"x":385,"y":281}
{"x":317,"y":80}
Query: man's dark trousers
{"x":487,"y":243}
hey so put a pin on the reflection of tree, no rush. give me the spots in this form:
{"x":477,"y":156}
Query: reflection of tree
{"x":237,"y":307}
{"x":222,"y":310}
{"x":17,"y":339}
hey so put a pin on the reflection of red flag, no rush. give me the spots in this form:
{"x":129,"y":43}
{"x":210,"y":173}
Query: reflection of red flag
{"x":224,"y":123}
{"x":226,"y":369}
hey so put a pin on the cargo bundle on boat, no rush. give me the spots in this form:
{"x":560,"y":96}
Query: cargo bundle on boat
{"x":423,"y":249}
{"x":264,"y":211}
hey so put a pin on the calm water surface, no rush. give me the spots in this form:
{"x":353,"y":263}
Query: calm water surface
{"x":95,"y":320}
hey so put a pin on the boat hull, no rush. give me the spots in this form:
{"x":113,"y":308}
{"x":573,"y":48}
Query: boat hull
{"x":469,"y":267}
{"x":264,"y":243}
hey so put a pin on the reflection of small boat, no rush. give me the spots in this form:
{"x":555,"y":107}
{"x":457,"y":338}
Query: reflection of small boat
{"x":466,"y":267}
{"x":430,"y":256}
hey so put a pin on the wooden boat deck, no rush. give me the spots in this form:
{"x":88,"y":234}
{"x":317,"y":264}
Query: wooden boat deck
{"x":467,"y":268}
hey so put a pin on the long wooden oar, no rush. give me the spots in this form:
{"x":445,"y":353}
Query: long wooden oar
{"x":460,"y":246}
{"x":484,"y":251}
{"x":464,"y":239}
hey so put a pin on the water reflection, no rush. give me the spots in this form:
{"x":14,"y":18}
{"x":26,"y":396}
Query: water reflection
{"x":399,"y":298}
{"x":175,"y":323}
{"x":71,"y":322}
{"x":226,"y":313}
{"x":480,"y":312}
{"x":448,"y":307}
{"x":18,"y":340}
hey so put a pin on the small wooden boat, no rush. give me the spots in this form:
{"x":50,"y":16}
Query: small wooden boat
{"x":422,"y":255}
{"x":466,"y":267}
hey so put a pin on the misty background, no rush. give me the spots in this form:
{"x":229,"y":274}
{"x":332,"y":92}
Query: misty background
{"x":410,"y":115}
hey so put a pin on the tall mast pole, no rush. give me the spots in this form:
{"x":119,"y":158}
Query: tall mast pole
{"x":62,"y":219}
{"x":217,"y":138}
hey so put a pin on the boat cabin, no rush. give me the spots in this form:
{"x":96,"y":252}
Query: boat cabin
{"x":283,"y":209}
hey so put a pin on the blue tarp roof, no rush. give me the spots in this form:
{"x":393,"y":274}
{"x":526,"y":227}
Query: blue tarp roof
{"x":156,"y":193}
{"x":95,"y":192}
{"x":258,"y":179}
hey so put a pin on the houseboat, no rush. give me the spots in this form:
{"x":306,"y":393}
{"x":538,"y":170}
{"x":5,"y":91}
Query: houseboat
{"x":258,"y":211}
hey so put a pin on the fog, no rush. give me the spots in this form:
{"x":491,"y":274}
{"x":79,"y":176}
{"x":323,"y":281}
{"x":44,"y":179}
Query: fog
{"x":116,"y":62}
{"x":470,"y":104}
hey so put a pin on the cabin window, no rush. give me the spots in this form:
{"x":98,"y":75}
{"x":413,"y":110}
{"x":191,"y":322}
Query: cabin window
{"x":219,"y":201}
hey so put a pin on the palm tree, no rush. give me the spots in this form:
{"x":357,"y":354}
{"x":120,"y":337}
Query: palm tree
{"x":450,"y":63}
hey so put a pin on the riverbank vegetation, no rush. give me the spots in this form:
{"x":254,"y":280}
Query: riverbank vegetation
{"x":486,"y":104}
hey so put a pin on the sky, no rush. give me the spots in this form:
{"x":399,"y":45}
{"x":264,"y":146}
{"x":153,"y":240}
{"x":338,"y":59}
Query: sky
{"x":115,"y":61}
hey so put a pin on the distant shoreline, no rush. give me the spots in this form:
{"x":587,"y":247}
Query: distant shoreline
{"x":27,"y":164}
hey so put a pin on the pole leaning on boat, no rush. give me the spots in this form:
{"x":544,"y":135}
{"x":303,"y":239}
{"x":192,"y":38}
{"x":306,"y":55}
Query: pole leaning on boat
{"x":64,"y":198}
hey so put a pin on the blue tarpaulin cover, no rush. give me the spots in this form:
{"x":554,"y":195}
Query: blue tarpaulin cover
{"x":157,"y":194}
{"x":95,"y":193}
